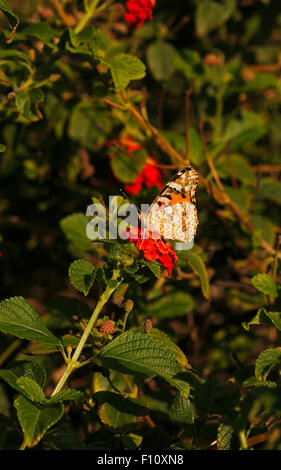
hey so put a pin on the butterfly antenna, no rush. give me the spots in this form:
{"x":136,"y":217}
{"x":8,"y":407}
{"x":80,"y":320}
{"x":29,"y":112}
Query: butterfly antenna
{"x":125,"y":195}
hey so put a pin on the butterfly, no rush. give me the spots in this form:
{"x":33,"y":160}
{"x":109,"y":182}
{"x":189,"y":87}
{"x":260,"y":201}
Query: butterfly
{"x":173,"y":215}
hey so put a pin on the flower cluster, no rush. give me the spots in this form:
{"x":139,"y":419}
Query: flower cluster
{"x":138,"y":11}
{"x":154,"y":249}
{"x":149,"y":176}
{"x":107,"y":328}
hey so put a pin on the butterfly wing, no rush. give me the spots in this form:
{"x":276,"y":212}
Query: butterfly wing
{"x":173,"y":213}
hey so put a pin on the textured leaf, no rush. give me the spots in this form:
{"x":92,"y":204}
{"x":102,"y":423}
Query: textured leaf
{"x":125,"y":68}
{"x":82,"y":275}
{"x":90,"y":41}
{"x":36,"y":420}
{"x":67,"y":394}
{"x":181,"y":410}
{"x":224,"y":436}
{"x":28,"y":369}
{"x":179,"y":355}
{"x":265,"y":284}
{"x":31,"y":389}
{"x":160,"y":59}
{"x":118,"y":411}
{"x":19,"y":318}
{"x":3,"y":148}
{"x":142,"y":354}
{"x":265,"y":361}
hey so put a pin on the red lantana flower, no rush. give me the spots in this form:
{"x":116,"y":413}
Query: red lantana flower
{"x":138,"y":11}
{"x":154,"y":249}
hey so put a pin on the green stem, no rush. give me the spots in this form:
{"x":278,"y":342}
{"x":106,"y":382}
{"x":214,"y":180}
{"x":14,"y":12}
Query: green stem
{"x":73,"y":362}
{"x":219,"y":113}
{"x":87,"y":16}
{"x":243,"y":440}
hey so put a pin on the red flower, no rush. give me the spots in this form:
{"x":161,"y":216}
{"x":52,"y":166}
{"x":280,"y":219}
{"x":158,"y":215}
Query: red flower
{"x":138,"y":11}
{"x":154,"y":249}
{"x":107,"y":327}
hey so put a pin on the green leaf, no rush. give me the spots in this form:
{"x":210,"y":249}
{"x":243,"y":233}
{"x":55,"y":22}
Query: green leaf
{"x":42,"y":31}
{"x":181,"y":410}
{"x":12,"y":18}
{"x":124,"y":68}
{"x":264,"y":227}
{"x":27,"y":103}
{"x":119,"y":412}
{"x":224,"y":436}
{"x":90,"y":41}
{"x":196,"y":149}
{"x":142,"y":354}
{"x":262,"y":81}
{"x":270,"y":189}
{"x":21,"y":369}
{"x":36,"y":420}
{"x":74,"y":228}
{"x":173,"y":304}
{"x":237,"y":165}
{"x":154,"y":267}
{"x":160,"y":59}
{"x":179,"y":355}
{"x":127,"y":169}
{"x":210,"y":15}
{"x":265,"y":361}
{"x":244,"y":128}
{"x":89,"y":125}
{"x":3,"y":148}
{"x":67,"y":394}
{"x":197,"y":265}
{"x":264,"y":283}
{"x":82,"y":275}
{"x":275,"y":318}
{"x":31,"y":389}
{"x":261,"y":318}
{"x":19,"y":318}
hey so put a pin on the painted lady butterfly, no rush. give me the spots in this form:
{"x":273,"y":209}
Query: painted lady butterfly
{"x":172,"y":215}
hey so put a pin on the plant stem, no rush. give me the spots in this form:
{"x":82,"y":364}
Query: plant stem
{"x":73,"y":363}
{"x":87,"y":16}
{"x":243,"y":440}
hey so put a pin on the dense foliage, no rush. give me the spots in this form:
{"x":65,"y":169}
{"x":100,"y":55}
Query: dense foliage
{"x":109,"y":344}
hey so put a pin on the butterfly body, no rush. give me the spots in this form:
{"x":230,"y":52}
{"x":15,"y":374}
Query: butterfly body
{"x":172,"y":215}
